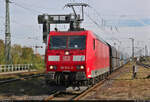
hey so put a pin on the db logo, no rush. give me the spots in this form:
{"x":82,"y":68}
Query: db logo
{"x":66,"y":58}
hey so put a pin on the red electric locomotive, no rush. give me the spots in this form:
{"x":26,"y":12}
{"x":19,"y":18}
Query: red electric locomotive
{"x":76,"y":56}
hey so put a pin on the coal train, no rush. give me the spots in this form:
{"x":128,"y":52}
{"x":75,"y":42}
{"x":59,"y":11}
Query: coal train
{"x":80,"y":58}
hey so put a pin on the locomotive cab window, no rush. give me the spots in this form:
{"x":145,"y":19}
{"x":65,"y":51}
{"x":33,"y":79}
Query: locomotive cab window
{"x":58,"y":42}
{"x":68,"y":42}
{"x":76,"y":42}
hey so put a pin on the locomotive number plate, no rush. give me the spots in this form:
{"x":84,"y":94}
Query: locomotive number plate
{"x":66,"y":67}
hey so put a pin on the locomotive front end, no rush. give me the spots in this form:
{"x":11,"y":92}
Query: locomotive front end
{"x":66,"y":58}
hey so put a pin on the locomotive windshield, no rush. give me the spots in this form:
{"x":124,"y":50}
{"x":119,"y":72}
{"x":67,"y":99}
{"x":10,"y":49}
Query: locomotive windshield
{"x":67,"y":42}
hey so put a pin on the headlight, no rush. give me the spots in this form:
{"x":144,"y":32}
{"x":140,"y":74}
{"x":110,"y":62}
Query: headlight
{"x":52,"y":67}
{"x":79,"y":58}
{"x":66,"y":53}
{"x":53,"y":58}
{"x":80,"y":67}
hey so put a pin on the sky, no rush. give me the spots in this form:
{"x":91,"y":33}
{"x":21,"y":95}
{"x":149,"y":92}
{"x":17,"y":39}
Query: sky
{"x":117,"y":20}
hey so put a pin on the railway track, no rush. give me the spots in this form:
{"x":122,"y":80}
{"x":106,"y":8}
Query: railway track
{"x":21,"y":78}
{"x":144,"y":65}
{"x":64,"y":95}
{"x":107,"y":81}
{"x":77,"y":95}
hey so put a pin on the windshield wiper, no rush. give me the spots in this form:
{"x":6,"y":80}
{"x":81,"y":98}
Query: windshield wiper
{"x":61,"y":47}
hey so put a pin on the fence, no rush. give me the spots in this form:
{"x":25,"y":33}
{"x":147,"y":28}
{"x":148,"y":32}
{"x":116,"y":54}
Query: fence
{"x":15,"y":67}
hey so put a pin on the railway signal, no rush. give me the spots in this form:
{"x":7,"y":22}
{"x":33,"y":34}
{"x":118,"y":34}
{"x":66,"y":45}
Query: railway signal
{"x":73,"y":19}
{"x":36,"y":47}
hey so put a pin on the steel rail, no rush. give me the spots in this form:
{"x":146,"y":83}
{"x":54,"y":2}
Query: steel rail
{"x":18,"y":79}
{"x":52,"y":96}
{"x":144,"y":65}
{"x":99,"y":84}
{"x":60,"y":94}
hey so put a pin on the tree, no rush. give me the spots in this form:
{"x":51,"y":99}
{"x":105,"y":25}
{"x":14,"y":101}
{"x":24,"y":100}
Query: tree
{"x":21,"y":55}
{"x":27,"y":55}
{"x":2,"y":57}
{"x":16,"y":52}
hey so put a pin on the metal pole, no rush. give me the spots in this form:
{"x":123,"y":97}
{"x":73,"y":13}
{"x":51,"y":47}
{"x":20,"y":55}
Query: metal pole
{"x":7,"y":35}
{"x":146,"y":50}
{"x":132,"y":48}
{"x":82,"y":13}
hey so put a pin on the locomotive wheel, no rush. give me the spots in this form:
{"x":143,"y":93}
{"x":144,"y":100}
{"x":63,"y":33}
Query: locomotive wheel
{"x":105,"y":75}
{"x":102,"y":76}
{"x":59,"y":79}
{"x":56,"y":79}
{"x":89,"y":83}
{"x":93,"y":81}
{"x":96,"y":79}
{"x":85,"y":83}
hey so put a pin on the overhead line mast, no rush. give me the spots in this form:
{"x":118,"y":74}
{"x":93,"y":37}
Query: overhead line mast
{"x":7,"y":35}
